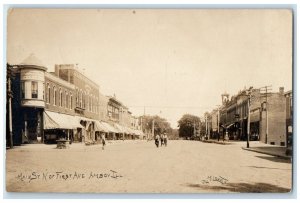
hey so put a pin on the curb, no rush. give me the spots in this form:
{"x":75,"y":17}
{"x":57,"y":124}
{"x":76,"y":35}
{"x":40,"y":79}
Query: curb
{"x":216,"y":142}
{"x":268,"y":153}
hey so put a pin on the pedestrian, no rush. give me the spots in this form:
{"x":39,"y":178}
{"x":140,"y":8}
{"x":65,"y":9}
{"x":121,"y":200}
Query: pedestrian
{"x":161,"y":140}
{"x":157,"y":140}
{"x":103,"y":140}
{"x":165,"y":139}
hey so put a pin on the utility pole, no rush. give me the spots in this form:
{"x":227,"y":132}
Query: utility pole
{"x":248,"y":123}
{"x":265,"y":90}
{"x":10,"y":95}
{"x":206,"y":127}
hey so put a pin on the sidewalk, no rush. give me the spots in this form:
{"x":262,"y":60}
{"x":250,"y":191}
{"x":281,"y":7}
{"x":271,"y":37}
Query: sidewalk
{"x":256,"y":146}
{"x":217,"y":142}
{"x":268,"y":149}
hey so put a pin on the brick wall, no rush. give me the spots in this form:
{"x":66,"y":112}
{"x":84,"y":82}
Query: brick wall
{"x":276,"y":120}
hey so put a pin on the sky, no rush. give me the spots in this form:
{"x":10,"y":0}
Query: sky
{"x":165,"y":62}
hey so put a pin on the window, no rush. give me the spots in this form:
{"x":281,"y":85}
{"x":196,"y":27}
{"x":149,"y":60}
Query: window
{"x":22,"y":90}
{"x":48,"y":94}
{"x":83,"y":100}
{"x":77,"y":97}
{"x":54,"y":96}
{"x":43,"y":91}
{"x":80,"y":96}
{"x":34,"y":90}
{"x":71,"y":101}
{"x":67,"y":100}
{"x":60,"y":97}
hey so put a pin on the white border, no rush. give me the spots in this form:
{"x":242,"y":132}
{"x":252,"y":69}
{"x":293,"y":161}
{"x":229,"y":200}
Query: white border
{"x":130,"y":3}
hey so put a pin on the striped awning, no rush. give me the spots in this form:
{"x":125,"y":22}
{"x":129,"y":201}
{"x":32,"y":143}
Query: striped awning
{"x":100,"y":127}
{"x":54,"y":120}
{"x":109,"y":128}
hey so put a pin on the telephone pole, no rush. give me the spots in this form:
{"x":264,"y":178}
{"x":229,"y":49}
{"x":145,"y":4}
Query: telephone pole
{"x":249,"y":91}
{"x":265,"y":93}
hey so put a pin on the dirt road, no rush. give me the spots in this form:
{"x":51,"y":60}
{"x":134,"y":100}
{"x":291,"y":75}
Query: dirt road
{"x":140,"y":167}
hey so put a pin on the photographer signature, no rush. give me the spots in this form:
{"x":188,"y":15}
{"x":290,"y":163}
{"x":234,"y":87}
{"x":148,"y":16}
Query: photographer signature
{"x":218,"y":179}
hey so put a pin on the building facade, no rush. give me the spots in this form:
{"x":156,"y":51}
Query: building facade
{"x":268,"y":116}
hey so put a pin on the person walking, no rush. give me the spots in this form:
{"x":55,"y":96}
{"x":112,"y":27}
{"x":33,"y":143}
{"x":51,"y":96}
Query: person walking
{"x":103,"y":140}
{"x":165,"y":139}
{"x":161,"y":140}
{"x":157,"y":140}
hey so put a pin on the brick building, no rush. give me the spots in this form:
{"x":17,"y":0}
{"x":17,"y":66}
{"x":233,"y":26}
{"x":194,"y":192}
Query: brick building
{"x":271,"y":108}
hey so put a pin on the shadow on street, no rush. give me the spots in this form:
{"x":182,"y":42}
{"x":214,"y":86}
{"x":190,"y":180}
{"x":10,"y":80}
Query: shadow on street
{"x":262,"y":167}
{"x":275,"y":159}
{"x":243,"y":187}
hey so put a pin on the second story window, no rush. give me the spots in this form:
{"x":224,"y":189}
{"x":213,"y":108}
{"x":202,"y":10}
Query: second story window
{"x":60,"y":98}
{"x":71,"y":101}
{"x":67,"y":100}
{"x":54,"y":96}
{"x":22,"y":90}
{"x":48,"y":94}
{"x":34,"y":90}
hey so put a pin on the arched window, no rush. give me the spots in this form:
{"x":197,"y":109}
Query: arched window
{"x":83,"y":100}
{"x":77,"y":97}
{"x":67,"y":100}
{"x":48,"y":93}
{"x":54,"y":96}
{"x":80,"y":96}
{"x":60,"y":97}
{"x":87,"y":102}
{"x":91,"y":104}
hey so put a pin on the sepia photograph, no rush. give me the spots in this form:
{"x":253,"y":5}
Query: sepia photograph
{"x":148,"y":100}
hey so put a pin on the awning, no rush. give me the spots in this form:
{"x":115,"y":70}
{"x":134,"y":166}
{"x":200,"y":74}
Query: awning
{"x":100,"y":127}
{"x":122,"y":129}
{"x":130,"y":131}
{"x":230,"y":125}
{"x":140,"y":132}
{"x":110,"y":128}
{"x":54,"y":120}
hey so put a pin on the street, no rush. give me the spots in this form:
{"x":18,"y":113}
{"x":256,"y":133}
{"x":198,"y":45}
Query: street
{"x":137,"y":166}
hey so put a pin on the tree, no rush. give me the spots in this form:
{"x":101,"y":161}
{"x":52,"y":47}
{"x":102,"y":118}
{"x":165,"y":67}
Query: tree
{"x":161,"y":125}
{"x":187,"y":124}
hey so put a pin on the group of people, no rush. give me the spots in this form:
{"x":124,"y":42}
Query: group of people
{"x":163,"y":139}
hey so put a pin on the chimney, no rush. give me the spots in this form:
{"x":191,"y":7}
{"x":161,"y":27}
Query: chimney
{"x":281,"y":90}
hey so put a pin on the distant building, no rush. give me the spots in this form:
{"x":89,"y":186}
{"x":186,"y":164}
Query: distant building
{"x":234,"y":116}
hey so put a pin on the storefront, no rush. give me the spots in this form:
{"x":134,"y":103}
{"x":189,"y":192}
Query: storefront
{"x":58,"y":125}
